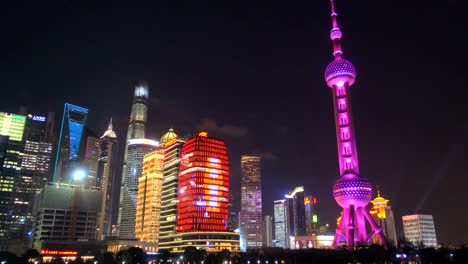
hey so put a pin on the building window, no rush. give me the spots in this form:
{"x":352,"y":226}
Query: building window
{"x":344,"y":133}
{"x":340,"y":91}
{"x":343,"y":119}
{"x":342,"y":104}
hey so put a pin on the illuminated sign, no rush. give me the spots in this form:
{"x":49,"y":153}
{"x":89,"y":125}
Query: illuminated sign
{"x":59,"y":252}
{"x":36,"y":118}
{"x":143,"y":141}
{"x":203,"y":134}
{"x":314,"y":219}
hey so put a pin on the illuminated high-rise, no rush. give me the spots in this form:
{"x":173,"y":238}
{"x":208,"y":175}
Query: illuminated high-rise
{"x":280,"y":223}
{"x":149,"y":198}
{"x":311,"y":216}
{"x":89,"y":157}
{"x":172,"y":145}
{"x":351,"y":191}
{"x":129,"y":184}
{"x":251,"y":202}
{"x":137,"y":149}
{"x":267,"y":231}
{"x":295,"y":201}
{"x":419,"y":230}
{"x":203,"y":195}
{"x":69,"y":143}
{"x":383,"y":215}
{"x":11,"y":152}
{"x":105,"y":180}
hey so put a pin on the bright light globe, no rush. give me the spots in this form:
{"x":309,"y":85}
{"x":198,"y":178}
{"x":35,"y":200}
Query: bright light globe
{"x":339,"y":72}
{"x":351,"y":189}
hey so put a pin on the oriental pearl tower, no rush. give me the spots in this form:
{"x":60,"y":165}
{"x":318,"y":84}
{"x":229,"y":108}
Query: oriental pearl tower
{"x":351,"y":191}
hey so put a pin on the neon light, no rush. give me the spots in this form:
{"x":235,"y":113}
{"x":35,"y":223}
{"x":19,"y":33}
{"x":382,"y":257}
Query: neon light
{"x":340,"y":83}
{"x":59,"y":252}
{"x":203,"y":134}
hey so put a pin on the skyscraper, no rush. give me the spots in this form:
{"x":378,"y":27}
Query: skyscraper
{"x":148,"y":210}
{"x":419,"y":230}
{"x":137,"y":148}
{"x":71,"y":132}
{"x":251,"y":202}
{"x":383,"y":215}
{"x":136,"y":130}
{"x":203,"y":194}
{"x":172,"y":145}
{"x":267,"y":231}
{"x":351,"y":191}
{"x":89,"y":156}
{"x":281,"y":226}
{"x":11,"y":152}
{"x":106,"y":179}
{"x":296,"y":212}
{"x":311,"y":216}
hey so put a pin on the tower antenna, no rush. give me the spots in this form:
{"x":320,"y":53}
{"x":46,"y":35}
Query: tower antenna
{"x":335,"y":33}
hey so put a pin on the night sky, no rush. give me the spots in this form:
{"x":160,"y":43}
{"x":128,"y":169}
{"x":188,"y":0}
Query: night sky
{"x":251,"y":73}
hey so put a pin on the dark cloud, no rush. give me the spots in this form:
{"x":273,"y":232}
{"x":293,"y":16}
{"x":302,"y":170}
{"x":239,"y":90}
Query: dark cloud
{"x":225,"y":129}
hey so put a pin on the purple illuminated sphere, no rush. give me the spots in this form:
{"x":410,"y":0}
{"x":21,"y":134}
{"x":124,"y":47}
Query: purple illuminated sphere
{"x":352,"y":189}
{"x":339,"y":72}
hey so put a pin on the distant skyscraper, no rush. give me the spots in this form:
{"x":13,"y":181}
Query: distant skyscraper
{"x":148,"y":210}
{"x":106,"y":180}
{"x":71,"y":132}
{"x":251,"y":202}
{"x":281,"y":226}
{"x":419,"y":230}
{"x":137,"y":148}
{"x":233,"y":218}
{"x":11,"y":152}
{"x":310,"y":203}
{"x":267,"y":231}
{"x":172,"y":145}
{"x":89,"y":157}
{"x":136,"y":130}
{"x":383,"y":215}
{"x":203,"y":194}
{"x":296,"y":212}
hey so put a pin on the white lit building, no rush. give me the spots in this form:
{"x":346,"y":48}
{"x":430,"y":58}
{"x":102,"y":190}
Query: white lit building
{"x":419,"y":230}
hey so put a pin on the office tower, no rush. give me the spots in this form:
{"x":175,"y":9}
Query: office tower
{"x":267,"y":231}
{"x":251,"y":202}
{"x":297,"y":212}
{"x":172,"y":145}
{"x":203,"y":194}
{"x":105,"y":180}
{"x":89,"y":156}
{"x":233,"y":218}
{"x":66,"y":213}
{"x":149,"y":197}
{"x":351,"y":191}
{"x":11,"y":150}
{"x":71,"y":132}
{"x":310,"y":203}
{"x":137,"y":148}
{"x":419,"y":230}
{"x":136,"y":130}
{"x":383,"y":215}
{"x":281,"y":225}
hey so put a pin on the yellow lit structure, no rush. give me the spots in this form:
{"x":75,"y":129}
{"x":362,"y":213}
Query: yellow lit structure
{"x":383,"y":215}
{"x":149,"y":197}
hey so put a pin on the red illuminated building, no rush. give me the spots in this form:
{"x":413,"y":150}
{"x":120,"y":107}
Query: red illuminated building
{"x":203,"y":189}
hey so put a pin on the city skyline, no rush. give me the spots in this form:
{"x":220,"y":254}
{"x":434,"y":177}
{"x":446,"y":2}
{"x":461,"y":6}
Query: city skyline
{"x":393,"y":111}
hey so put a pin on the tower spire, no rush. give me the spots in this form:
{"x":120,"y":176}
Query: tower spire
{"x":110,"y":127}
{"x":335,"y":33}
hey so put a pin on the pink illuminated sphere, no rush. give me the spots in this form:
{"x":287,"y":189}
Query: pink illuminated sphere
{"x":339,"y":72}
{"x":351,"y":189}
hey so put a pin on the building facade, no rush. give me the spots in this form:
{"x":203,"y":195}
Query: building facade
{"x":105,"y":180}
{"x":66,"y":213}
{"x":148,"y":210}
{"x":251,"y":203}
{"x":70,"y":142}
{"x":419,"y":229}
{"x":203,"y":194}
{"x":383,"y":216}
{"x":267,"y":231}
{"x":89,"y":157}
{"x":136,"y":150}
{"x":280,"y":224}
{"x":311,"y":216}
{"x":172,"y":145}
{"x":295,"y":201}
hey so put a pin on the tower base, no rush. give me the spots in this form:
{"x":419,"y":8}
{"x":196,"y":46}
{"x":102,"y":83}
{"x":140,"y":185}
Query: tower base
{"x":352,"y":226}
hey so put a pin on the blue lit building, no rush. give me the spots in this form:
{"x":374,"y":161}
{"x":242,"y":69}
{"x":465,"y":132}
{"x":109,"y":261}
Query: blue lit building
{"x":71,"y":132}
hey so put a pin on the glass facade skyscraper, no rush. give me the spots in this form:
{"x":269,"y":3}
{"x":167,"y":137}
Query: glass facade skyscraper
{"x":137,"y":148}
{"x":296,"y":212}
{"x":251,"y":203}
{"x":71,"y":133}
{"x":280,"y":219}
